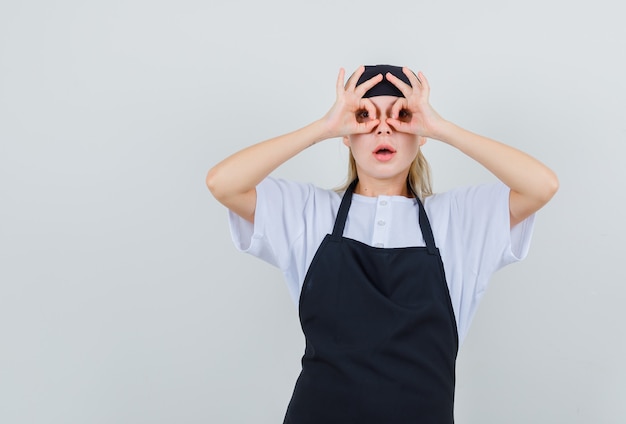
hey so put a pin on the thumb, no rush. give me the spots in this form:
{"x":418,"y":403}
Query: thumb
{"x":400,"y":126}
{"x":367,"y":127}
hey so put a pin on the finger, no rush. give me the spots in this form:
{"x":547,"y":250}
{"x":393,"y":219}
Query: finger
{"x":340,"y":79}
{"x":368,"y":105}
{"x":354,"y":78}
{"x":405,"y":88}
{"x":399,"y":126}
{"x":372,"y":122}
{"x":424,"y":82}
{"x":415,"y":81}
{"x":398,"y":105}
{"x":365,"y":86}
{"x":369,"y":126}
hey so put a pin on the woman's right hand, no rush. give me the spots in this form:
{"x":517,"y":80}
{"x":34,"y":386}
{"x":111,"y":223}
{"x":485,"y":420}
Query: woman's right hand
{"x":233,"y":181}
{"x":343,"y":118}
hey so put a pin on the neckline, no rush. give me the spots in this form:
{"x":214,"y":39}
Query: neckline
{"x":393,"y":198}
{"x":344,"y":207}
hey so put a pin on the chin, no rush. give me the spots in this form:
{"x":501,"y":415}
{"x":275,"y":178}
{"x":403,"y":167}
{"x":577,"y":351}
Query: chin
{"x":384,"y":176}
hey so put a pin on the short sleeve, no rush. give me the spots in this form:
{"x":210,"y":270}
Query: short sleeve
{"x":276,"y":226}
{"x":472,"y":230}
{"x":290,"y":221}
{"x":486,"y":229}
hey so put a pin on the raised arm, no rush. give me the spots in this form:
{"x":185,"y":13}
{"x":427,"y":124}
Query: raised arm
{"x":233,"y":181}
{"x":532,"y":183}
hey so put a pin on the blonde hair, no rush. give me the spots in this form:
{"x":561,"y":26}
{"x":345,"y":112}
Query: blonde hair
{"x":418,"y":177}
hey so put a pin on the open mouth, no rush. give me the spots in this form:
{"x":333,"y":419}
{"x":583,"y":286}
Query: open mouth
{"x":384,"y":152}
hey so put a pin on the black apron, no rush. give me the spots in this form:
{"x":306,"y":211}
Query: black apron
{"x":381,"y":337}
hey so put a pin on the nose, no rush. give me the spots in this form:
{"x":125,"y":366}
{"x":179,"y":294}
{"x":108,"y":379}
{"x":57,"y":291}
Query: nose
{"x":383,"y":127}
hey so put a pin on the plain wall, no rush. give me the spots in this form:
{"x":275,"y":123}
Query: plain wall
{"x":122,"y":298}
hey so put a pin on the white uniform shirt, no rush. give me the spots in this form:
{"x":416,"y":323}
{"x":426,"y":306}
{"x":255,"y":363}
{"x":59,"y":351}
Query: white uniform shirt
{"x":471,"y":227}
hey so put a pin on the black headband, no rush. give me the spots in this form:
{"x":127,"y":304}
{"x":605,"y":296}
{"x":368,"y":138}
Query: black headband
{"x":384,"y":87}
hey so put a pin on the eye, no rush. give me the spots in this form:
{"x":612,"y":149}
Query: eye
{"x":404,"y":115}
{"x":362,"y":115}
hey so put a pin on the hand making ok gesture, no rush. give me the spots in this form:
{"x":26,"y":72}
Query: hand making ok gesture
{"x":342,"y":119}
{"x":413,"y":113}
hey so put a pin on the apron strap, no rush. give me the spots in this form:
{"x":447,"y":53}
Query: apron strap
{"x":346,"y":201}
{"x":342,"y":215}
{"x":427,"y":231}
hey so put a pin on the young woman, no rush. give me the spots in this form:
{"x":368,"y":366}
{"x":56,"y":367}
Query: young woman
{"x":386,"y":274}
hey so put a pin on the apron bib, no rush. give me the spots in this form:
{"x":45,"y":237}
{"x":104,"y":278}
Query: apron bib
{"x":381,"y":337}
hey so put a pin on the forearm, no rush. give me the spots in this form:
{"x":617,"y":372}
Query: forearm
{"x":519,"y":171}
{"x":244,"y":170}
{"x":233,"y":181}
{"x":532,"y":183}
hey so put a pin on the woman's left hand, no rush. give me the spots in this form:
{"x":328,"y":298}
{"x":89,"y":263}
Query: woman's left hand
{"x":413,"y":113}
{"x":532,"y":184}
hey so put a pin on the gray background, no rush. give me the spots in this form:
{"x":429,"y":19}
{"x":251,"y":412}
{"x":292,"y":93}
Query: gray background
{"x":122,"y":299}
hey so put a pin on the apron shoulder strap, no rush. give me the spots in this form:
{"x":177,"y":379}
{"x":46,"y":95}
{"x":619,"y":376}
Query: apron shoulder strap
{"x":342,"y":214}
{"x":427,"y":232}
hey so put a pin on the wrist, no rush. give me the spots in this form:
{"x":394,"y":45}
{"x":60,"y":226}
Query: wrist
{"x":320,"y":131}
{"x":443,"y":131}
{"x":327,"y":129}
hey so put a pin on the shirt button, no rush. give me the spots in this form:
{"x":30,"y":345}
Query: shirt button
{"x":383,"y":203}
{"x":378,"y":245}
{"x":381,"y":222}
